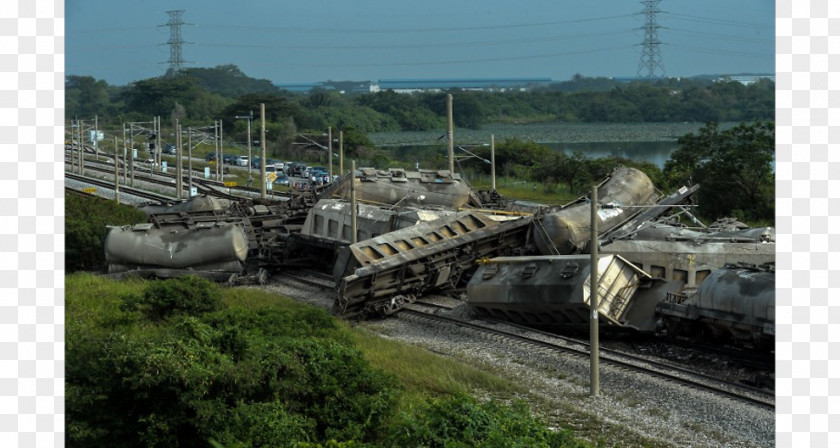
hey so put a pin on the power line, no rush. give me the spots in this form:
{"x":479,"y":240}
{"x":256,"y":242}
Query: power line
{"x":404,"y":30}
{"x":419,"y":45}
{"x":715,"y":21}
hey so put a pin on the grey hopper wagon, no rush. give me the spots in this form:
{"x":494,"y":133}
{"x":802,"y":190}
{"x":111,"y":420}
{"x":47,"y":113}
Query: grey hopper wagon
{"x":328,"y":227}
{"x":553,"y":292}
{"x":734,"y":304}
{"x":399,"y":186}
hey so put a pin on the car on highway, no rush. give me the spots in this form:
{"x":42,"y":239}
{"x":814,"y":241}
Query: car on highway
{"x":282,"y":179}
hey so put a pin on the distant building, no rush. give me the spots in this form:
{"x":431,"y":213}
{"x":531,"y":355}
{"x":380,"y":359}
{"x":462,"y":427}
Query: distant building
{"x":303,"y":87}
{"x":437,"y":85}
{"x":746,"y":79}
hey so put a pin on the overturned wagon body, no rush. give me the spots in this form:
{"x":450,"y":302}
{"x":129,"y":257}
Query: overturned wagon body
{"x":735,"y":303}
{"x":554,"y":291}
{"x":567,"y":231}
{"x":381,"y":274}
{"x":215,"y":250}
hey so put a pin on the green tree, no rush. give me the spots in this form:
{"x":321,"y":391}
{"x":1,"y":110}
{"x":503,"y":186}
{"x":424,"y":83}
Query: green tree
{"x":86,"y":97}
{"x":734,"y":168}
{"x":229,"y":81}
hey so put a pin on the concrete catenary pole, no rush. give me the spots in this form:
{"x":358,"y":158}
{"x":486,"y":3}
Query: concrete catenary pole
{"x":492,"y":162}
{"x":450,"y":133}
{"x":329,"y":150}
{"x":116,"y":172}
{"x":81,"y":149}
{"x":179,"y":172}
{"x":353,"y":212}
{"x":250,"y":116}
{"x":222,"y":149}
{"x":189,"y":160}
{"x":130,"y":163}
{"x":216,"y":147}
{"x":594,"y":380}
{"x":158,"y":148}
{"x":341,"y":151}
{"x":125,"y":171}
{"x":262,"y":151}
{"x":96,"y":136}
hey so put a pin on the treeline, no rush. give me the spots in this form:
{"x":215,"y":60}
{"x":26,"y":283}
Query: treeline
{"x":733,"y":166}
{"x":202,"y":95}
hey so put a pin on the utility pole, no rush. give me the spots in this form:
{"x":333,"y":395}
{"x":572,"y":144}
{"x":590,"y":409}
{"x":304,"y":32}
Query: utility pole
{"x":189,"y":160}
{"x":248,"y":117}
{"x":81,"y":149}
{"x":222,"y":149}
{"x":179,"y":180}
{"x":329,"y":150}
{"x":594,"y":380}
{"x":492,"y":163}
{"x":341,"y":152}
{"x":130,"y":150}
{"x":116,"y":172}
{"x":158,"y":149}
{"x":450,"y":134}
{"x":353,"y":212}
{"x":216,"y":146}
{"x":96,"y":135}
{"x":650,"y":62}
{"x":262,"y":151}
{"x":125,"y":171}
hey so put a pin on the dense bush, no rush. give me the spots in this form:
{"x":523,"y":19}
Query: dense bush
{"x":267,"y":377}
{"x":85,"y":229}
{"x":188,"y":295}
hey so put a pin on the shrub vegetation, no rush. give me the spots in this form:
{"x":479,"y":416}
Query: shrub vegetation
{"x":184,"y":362}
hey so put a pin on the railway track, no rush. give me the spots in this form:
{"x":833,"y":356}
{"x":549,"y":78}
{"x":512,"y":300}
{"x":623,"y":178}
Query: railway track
{"x":209,"y":187}
{"x":426,"y":310}
{"x":160,"y":198}
{"x":669,"y":372}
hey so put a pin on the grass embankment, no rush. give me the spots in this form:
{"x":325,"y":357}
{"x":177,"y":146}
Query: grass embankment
{"x":134,"y":344}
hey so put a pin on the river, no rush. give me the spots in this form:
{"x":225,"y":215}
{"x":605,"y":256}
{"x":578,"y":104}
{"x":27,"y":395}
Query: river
{"x":655,"y":152}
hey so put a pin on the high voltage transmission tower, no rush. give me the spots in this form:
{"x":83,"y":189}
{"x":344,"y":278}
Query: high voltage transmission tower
{"x":650,"y":63}
{"x":176,"y":61}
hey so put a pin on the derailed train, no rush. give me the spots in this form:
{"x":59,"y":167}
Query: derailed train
{"x":420,"y":242}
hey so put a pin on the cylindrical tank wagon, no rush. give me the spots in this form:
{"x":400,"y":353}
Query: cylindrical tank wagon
{"x":210,"y":249}
{"x":568,"y":231}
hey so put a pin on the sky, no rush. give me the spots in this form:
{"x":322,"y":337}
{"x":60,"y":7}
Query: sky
{"x":368,"y":40}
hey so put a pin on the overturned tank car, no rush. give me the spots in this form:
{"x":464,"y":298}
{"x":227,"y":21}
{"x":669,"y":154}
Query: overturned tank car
{"x":214,"y":250}
{"x":218,"y":240}
{"x":567,"y":231}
